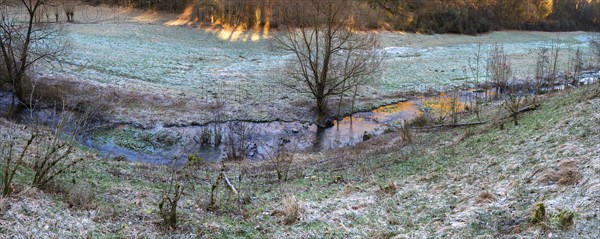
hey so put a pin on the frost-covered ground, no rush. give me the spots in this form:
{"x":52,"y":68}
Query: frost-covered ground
{"x":479,"y":182}
{"x":151,"y":53}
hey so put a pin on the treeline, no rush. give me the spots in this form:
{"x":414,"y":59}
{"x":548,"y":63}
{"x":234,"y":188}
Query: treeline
{"x":476,"y":16}
{"x":429,"y":16}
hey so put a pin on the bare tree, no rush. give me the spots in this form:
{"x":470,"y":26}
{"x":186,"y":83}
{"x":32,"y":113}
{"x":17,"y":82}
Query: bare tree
{"x":69,"y":7}
{"x":595,"y":44}
{"x":541,"y":68}
{"x":24,"y":42}
{"x":330,"y":57}
{"x":554,"y":54}
{"x":499,"y":69}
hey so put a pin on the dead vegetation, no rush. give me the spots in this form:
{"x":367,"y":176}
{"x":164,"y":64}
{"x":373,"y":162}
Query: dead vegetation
{"x":485,"y":197}
{"x":81,"y":196}
{"x":567,"y":174}
{"x":291,"y":210}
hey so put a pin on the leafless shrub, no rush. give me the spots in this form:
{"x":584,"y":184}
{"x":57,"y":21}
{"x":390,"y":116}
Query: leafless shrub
{"x":554,"y":57}
{"x":222,"y":182}
{"x":167,"y":207}
{"x":54,"y":147}
{"x":595,"y":45}
{"x":280,"y":160}
{"x":513,"y":100}
{"x":498,"y":68}
{"x":576,"y":66}
{"x":541,"y":68}
{"x":423,"y":118}
{"x":475,"y":70}
{"x":406,"y":132}
{"x":12,"y":158}
{"x":236,"y":139}
{"x":80,"y":196}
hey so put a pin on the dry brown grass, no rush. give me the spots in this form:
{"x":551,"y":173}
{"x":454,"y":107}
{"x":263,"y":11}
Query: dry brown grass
{"x":566,"y":175}
{"x":292,"y":211}
{"x":389,"y":189}
{"x":485,"y":197}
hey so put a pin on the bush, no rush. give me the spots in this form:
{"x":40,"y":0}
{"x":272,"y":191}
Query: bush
{"x":167,"y":207}
{"x":80,"y":196}
{"x":291,"y":210}
{"x":11,"y":158}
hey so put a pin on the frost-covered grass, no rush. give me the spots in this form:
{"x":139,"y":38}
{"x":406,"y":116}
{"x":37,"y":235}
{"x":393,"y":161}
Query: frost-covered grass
{"x":206,"y":66}
{"x":440,"y":179}
{"x":441,"y":61}
{"x":196,"y":61}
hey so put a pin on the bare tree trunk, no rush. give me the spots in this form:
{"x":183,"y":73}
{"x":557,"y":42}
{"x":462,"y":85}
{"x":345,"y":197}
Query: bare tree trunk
{"x":321,"y":111}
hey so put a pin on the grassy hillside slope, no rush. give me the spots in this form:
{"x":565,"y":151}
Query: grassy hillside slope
{"x":480,"y":182}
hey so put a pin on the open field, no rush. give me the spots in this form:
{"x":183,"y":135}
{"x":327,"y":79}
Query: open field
{"x":479,"y":182}
{"x":183,"y":71}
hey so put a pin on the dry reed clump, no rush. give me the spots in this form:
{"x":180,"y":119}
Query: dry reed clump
{"x":291,"y":211}
{"x":485,"y":197}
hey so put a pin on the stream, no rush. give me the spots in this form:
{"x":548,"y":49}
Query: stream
{"x":262,"y":140}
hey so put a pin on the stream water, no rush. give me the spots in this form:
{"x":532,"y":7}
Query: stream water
{"x":259,"y":141}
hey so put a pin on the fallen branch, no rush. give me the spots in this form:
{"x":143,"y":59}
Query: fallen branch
{"x":522,"y":110}
{"x":229,"y":185}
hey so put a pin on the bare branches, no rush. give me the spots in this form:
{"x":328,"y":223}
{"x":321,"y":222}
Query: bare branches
{"x":25,"y":41}
{"x":498,"y":67}
{"x":330,"y":57}
{"x":12,"y":157}
{"x":595,"y":44}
